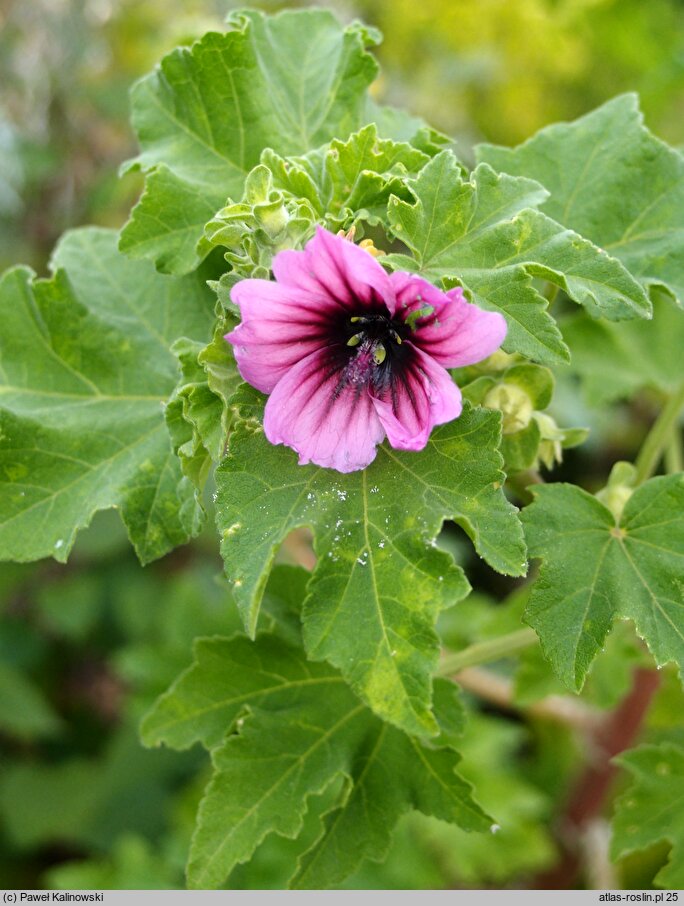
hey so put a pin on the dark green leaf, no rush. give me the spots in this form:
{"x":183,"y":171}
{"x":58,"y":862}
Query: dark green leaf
{"x":652,"y":808}
{"x":380,"y":582}
{"x":597,"y":568}
{"x":86,"y":370}
{"x":295,"y":728}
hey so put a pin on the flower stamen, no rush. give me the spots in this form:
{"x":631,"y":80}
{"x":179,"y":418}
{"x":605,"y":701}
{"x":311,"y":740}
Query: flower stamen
{"x":379,"y":354}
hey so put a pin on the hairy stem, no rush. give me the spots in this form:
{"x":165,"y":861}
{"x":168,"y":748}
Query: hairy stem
{"x":657,"y":438}
{"x":499,"y":691}
{"x":483,"y":652}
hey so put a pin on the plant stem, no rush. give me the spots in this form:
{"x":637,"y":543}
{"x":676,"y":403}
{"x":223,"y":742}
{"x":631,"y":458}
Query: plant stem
{"x":498,"y":690}
{"x":588,"y":796}
{"x":673,"y":453}
{"x":657,"y":438}
{"x":482,"y":652}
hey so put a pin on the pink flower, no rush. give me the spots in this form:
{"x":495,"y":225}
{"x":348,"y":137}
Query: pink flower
{"x":350,"y":354}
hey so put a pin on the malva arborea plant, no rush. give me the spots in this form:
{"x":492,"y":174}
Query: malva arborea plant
{"x":308,"y":270}
{"x":351,"y":354}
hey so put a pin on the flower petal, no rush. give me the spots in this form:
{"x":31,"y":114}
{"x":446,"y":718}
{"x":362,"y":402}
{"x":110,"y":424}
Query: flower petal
{"x":333,"y":267}
{"x":457,"y":333}
{"x":420,"y":395}
{"x":278,"y":329}
{"x":327,"y":424}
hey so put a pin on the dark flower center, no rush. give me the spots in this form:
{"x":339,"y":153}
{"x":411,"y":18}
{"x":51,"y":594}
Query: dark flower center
{"x":380,"y":332}
{"x":374,"y":346}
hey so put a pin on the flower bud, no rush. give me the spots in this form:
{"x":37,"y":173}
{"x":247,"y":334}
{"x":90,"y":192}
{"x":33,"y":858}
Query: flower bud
{"x":272,"y":217}
{"x":514,"y":403}
{"x":619,"y":488}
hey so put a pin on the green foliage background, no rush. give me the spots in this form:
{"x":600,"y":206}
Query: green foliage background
{"x":87,"y":647}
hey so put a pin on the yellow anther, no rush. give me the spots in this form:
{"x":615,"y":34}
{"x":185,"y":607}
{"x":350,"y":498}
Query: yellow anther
{"x":355,"y":340}
{"x":348,"y":234}
{"x":369,"y":246}
{"x":379,"y":354}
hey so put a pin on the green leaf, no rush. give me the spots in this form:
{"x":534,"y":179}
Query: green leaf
{"x":597,"y":568}
{"x":401,"y":126}
{"x":520,"y":449}
{"x":615,"y":183}
{"x":610,"y":676}
{"x":167,"y":222}
{"x":204,"y":117}
{"x":483,"y":234}
{"x":266,"y":221}
{"x":520,"y":841}
{"x":652,"y":808}
{"x":194,"y":415}
{"x":229,"y":675}
{"x":616,"y":360}
{"x":380,"y":582}
{"x":390,"y":773}
{"x":295,"y":728}
{"x":88,"y":802}
{"x":86,"y":369}
{"x":24,"y":710}
{"x":349,"y":180}
{"x":134,"y":863}
{"x":339,"y":186}
{"x":197,"y":415}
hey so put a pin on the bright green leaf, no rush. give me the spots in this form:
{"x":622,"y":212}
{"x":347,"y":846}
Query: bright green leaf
{"x":652,"y":808}
{"x":339,"y":186}
{"x":350,"y":179}
{"x":596,"y":569}
{"x":204,"y":117}
{"x":197,"y":414}
{"x":615,"y":183}
{"x":380,"y":582}
{"x":86,"y":369}
{"x":484,"y":235}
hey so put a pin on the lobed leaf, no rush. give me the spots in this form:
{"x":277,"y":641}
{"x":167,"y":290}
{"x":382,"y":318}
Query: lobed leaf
{"x":485,"y":235}
{"x":294,"y":728}
{"x":614,"y":182}
{"x":86,"y":370}
{"x":205,"y":115}
{"x":597,"y":568}
{"x":614,"y":361}
{"x":652,"y":807}
{"x":380,"y":582}
{"x":349,"y":180}
{"x":197,"y":414}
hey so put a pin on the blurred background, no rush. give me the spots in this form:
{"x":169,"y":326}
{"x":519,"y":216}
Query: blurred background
{"x":85,"y":648}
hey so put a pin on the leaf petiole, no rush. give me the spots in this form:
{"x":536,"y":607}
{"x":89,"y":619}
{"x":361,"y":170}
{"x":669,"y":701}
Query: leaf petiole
{"x":484,"y":652}
{"x":658,"y":437}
